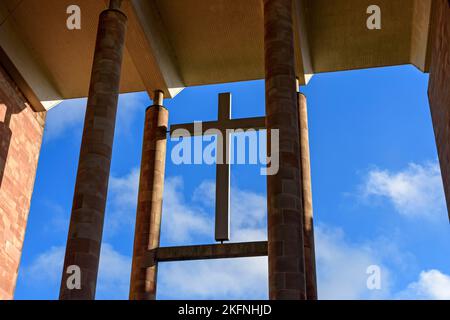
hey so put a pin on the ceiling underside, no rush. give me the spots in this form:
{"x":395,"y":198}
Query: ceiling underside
{"x":172,"y":44}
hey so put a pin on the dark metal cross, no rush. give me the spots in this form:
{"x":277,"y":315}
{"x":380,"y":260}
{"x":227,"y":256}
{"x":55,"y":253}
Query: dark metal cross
{"x":224,"y":123}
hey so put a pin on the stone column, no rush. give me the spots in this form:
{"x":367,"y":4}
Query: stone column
{"x":284,"y":190}
{"x":149,"y":209}
{"x":439,"y":87}
{"x":308,"y":225}
{"x":86,"y":224}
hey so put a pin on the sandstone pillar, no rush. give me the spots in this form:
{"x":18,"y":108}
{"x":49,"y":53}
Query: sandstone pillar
{"x":86,"y":224}
{"x":439,"y":87}
{"x":308,"y":226}
{"x":284,"y":190}
{"x":149,"y":209}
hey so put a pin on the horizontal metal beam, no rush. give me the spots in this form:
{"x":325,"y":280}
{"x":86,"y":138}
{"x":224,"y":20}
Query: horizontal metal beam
{"x":203,"y":252}
{"x":256,"y":123}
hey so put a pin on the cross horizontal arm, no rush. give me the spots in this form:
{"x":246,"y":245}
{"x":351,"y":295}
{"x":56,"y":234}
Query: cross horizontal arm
{"x":211,"y":251}
{"x":256,"y":123}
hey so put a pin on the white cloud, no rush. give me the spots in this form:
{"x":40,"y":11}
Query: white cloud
{"x":59,"y":220}
{"x":248,"y":211}
{"x":244,"y":278}
{"x":129,"y":107}
{"x":236,"y":278}
{"x":47,"y":267}
{"x":248,"y":216}
{"x":182,"y":221}
{"x":113,"y":279}
{"x":205,"y":193}
{"x":125,"y":188}
{"x":415,"y":191}
{"x":226,"y":278}
{"x":70,"y":114}
{"x":342,"y":266}
{"x":432,"y":284}
{"x":120,"y":213}
{"x":66,"y":116}
{"x":113,"y":275}
{"x":341,"y":271}
{"x":122,"y":201}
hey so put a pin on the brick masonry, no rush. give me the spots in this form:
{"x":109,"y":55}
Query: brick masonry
{"x":89,"y":201}
{"x":21,"y":131}
{"x":284,"y":190}
{"x":439,"y":87}
{"x":149,"y":209}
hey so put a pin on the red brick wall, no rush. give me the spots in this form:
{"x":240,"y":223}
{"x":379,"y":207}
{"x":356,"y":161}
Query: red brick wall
{"x":20,"y":140}
{"x":439,"y":87}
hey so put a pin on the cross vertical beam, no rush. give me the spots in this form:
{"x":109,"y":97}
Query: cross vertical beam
{"x":222,"y":227}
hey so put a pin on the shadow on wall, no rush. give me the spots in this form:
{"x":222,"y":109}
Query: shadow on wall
{"x":5,"y":135}
{"x":8,"y":107}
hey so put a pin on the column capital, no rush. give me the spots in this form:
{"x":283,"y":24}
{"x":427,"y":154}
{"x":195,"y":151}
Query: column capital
{"x":158,"y":98}
{"x":115,"y":4}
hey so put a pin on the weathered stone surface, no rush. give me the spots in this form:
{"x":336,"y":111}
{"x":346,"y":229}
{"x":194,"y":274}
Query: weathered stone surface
{"x":284,"y":202}
{"x":89,"y":201}
{"x":149,"y":208}
{"x":21,"y":131}
{"x":308,"y":222}
{"x":439,"y":87}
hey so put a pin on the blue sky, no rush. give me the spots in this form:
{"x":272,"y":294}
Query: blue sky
{"x":377,"y":193}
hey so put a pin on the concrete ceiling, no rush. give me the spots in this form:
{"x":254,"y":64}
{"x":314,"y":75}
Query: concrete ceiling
{"x":340,"y":40}
{"x":172,"y":44}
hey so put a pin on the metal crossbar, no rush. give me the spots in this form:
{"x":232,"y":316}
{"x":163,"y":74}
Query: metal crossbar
{"x":203,"y":252}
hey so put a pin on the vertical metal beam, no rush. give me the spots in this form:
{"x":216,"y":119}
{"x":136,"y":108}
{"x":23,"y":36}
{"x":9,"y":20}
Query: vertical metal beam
{"x":222,"y":229}
{"x":284,"y":189}
{"x":89,"y":201}
{"x":150,"y":199}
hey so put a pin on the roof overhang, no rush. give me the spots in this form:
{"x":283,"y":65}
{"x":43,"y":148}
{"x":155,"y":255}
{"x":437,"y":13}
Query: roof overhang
{"x":172,"y":44}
